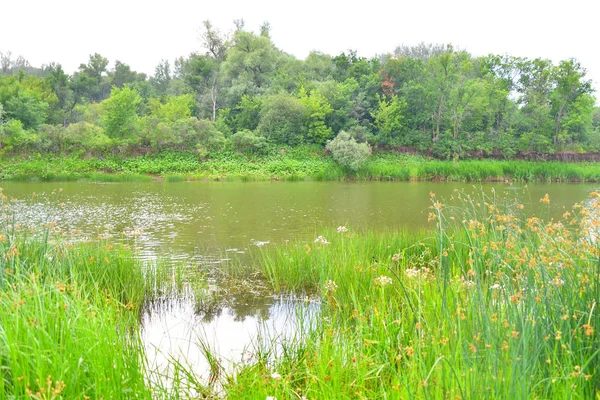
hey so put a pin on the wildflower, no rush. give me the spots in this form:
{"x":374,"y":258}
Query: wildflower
{"x":331,"y":286}
{"x":383,"y":280}
{"x":276,"y":376}
{"x":412,"y":272}
{"x":321,"y":239}
{"x":342,"y":229}
{"x":496,"y":286}
{"x":588,"y":330}
{"x":468,"y":283}
{"x":397,"y":257}
{"x":545,"y":199}
{"x":558,"y":282}
{"x":261,"y":244}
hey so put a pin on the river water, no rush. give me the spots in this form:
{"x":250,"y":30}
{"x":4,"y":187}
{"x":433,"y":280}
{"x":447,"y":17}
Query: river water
{"x":205,"y":223}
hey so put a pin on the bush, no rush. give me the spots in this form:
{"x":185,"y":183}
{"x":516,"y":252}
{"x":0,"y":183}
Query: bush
{"x":246,"y":140}
{"x":347,"y":152}
{"x":13,"y":135}
{"x":282,"y":120}
{"x":184,"y":134}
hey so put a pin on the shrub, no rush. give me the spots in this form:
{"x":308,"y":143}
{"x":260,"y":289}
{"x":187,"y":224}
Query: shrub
{"x":246,"y":140}
{"x":282,"y":120}
{"x":347,"y":152}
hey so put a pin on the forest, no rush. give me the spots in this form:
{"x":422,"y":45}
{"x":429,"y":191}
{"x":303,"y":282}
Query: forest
{"x":243,"y":94}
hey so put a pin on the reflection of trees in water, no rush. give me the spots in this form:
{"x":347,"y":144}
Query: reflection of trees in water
{"x":241,"y":304}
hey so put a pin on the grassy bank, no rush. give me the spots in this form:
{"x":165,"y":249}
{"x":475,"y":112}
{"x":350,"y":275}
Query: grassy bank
{"x":488,"y":304}
{"x":294,"y":164}
{"x":70,"y":318}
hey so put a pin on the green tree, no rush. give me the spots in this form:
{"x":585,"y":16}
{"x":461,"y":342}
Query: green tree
{"x":246,"y":114}
{"x":119,"y":113}
{"x":282,"y":120}
{"x":390,"y":119}
{"x":570,"y":95}
{"x":317,"y":109}
{"x":251,"y":64}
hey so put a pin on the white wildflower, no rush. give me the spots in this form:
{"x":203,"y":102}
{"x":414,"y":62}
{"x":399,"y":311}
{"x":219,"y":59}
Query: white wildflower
{"x":383,"y":280}
{"x":331,"y":286}
{"x":342,"y":229}
{"x":276,"y":376}
{"x":321,"y":239}
{"x":397,"y":257}
{"x":468,"y":283}
{"x":412,"y":272}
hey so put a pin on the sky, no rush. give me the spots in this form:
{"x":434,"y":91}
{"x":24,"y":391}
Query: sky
{"x":141,"y":33}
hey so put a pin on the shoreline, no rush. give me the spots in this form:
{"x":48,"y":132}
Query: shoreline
{"x":295,"y":166}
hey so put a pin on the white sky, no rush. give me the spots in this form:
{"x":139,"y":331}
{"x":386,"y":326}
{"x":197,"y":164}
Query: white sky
{"x":141,"y":33}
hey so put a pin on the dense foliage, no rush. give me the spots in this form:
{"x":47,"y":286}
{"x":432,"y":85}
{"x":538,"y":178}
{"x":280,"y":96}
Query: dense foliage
{"x":246,"y":94}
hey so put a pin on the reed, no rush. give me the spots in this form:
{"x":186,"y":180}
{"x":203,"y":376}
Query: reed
{"x":489,"y":303}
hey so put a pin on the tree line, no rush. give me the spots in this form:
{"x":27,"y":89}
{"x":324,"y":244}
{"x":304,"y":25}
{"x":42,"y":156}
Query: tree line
{"x":243,"y":92}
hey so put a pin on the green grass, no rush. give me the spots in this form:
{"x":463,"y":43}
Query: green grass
{"x":290,"y":165}
{"x":70,"y":317}
{"x":488,"y":304}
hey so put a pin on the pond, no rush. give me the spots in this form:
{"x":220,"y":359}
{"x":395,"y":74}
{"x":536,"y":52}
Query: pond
{"x":208,"y":222}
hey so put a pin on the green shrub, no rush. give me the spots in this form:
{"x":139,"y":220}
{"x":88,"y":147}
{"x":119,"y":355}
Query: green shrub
{"x":246,"y":141}
{"x":347,"y":152}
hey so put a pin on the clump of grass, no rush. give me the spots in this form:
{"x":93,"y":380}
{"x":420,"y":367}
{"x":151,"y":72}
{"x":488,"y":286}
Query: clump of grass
{"x":175,"y":178}
{"x":69,"y":316}
{"x":490,"y":303}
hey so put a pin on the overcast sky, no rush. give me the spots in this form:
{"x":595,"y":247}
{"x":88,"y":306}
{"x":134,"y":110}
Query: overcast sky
{"x":141,"y":33}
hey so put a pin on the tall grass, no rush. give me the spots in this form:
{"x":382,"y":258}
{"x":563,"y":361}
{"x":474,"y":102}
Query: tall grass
{"x":293,"y":164}
{"x":488,"y":304}
{"x":70,"y":317}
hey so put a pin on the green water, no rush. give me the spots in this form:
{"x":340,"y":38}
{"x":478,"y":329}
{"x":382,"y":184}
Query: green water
{"x":208,"y":221}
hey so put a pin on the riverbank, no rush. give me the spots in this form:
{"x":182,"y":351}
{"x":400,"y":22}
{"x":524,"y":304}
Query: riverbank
{"x":289,"y":165}
{"x":70,"y":317}
{"x":488,"y":304}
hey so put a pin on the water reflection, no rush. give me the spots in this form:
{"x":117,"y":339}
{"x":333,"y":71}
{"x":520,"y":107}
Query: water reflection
{"x":174,"y":329}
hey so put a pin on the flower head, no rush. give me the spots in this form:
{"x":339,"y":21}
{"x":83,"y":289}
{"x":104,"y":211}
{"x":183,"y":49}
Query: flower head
{"x":331,"y":286}
{"x":321,"y":239}
{"x":383,"y":280}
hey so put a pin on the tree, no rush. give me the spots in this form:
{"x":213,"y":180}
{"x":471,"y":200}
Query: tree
{"x":216,"y":44}
{"x":317,"y":109}
{"x":91,"y":76}
{"x":390,"y":119}
{"x":569,"y":96}
{"x":173,"y":109}
{"x":58,"y":80}
{"x":251,"y":63}
{"x":162,"y":77}
{"x":120,"y":112}
{"x":282,"y":120}
{"x":246,"y":114}
{"x":122,"y":75}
